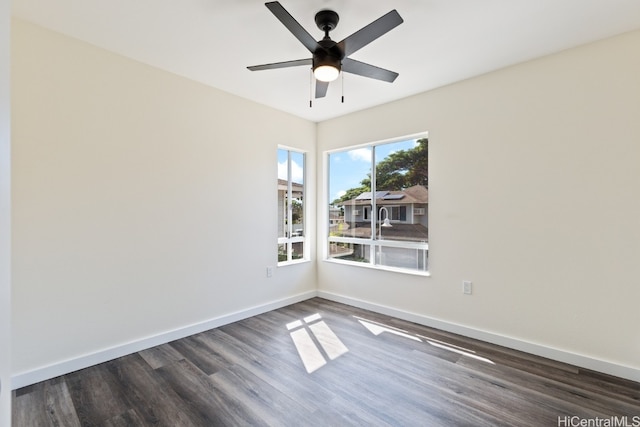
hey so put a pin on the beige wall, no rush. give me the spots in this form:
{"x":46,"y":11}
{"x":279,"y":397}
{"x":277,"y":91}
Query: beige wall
{"x":142,"y":202}
{"x":534,"y":196}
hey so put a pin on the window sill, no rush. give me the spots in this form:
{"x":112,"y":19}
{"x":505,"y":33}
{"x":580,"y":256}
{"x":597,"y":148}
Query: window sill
{"x":293,"y":262}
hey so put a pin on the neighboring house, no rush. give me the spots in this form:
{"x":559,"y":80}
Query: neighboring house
{"x":296,"y":193}
{"x":335,"y":217}
{"x":408,"y":206}
{"x":407,"y":211}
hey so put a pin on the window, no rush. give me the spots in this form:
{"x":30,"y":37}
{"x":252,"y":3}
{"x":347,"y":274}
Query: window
{"x":397,"y":213}
{"x":378,"y":205}
{"x":291,"y":213}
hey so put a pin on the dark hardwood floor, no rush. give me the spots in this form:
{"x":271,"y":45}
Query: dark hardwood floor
{"x":320,"y":363}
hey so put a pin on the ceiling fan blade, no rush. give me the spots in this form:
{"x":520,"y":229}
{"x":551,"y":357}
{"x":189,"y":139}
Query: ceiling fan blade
{"x":292,"y":25}
{"x":284,"y":64}
{"x":369,"y":33}
{"x":321,"y":88}
{"x":367,"y":70}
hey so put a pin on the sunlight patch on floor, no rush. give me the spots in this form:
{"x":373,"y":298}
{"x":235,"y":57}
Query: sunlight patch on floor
{"x":462,"y":352}
{"x":328,"y":340}
{"x":308,"y":351}
{"x":315,"y":341}
{"x":377,"y":328}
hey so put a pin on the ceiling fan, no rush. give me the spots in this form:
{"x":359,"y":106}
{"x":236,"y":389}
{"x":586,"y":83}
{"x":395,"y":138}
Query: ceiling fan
{"x":330,"y":57}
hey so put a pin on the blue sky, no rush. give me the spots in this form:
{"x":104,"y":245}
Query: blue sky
{"x":348,"y":168}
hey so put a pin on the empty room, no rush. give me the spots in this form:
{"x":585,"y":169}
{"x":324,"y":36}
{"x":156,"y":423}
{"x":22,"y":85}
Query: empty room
{"x":320,"y":213}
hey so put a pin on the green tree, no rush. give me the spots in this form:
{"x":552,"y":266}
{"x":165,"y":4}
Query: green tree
{"x":399,"y":170}
{"x":352,"y":193}
{"x":297,"y":209}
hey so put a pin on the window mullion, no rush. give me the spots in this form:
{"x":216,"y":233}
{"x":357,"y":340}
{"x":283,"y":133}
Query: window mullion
{"x":289,"y":208}
{"x":374,"y":208}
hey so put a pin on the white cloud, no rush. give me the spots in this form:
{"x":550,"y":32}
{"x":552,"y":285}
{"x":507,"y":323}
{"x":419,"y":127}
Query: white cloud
{"x":282,"y":170}
{"x":361,"y":154}
{"x":297,"y":173}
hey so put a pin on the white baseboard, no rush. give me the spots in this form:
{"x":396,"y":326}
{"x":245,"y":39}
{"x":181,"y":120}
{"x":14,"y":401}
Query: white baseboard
{"x":574,"y":359}
{"x":84,"y":361}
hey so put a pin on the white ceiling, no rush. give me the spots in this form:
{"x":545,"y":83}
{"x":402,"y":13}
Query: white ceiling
{"x":440,"y":41}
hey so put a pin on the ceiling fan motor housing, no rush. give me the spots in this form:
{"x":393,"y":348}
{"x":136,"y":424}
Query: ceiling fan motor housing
{"x":328,"y":54}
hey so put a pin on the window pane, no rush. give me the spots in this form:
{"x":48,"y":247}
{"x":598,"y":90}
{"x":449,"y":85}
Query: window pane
{"x":297,"y":194}
{"x":283,"y":180}
{"x":349,"y":183}
{"x":297,"y":250}
{"x":350,"y":252}
{"x":409,"y":258}
{"x":282,"y":252}
{"x":401,"y":189}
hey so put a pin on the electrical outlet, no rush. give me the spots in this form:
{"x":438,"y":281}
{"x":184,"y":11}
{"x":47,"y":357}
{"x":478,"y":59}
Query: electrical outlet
{"x":466,"y":287}
{"x":269,"y":271}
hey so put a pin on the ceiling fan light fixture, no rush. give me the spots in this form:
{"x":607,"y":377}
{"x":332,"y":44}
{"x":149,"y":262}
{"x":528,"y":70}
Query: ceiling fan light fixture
{"x":326,"y":67}
{"x":326,"y":73}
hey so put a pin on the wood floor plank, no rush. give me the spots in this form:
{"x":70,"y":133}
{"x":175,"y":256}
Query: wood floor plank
{"x":95,"y":395}
{"x":371,"y":370}
{"x":59,"y":405}
{"x":153,"y":399}
{"x":205,"y":359}
{"x":217,"y":404}
{"x":259,"y":398}
{"x":29,"y":408}
{"x":49,"y":403}
{"x":127,"y":419}
{"x":160,"y":355}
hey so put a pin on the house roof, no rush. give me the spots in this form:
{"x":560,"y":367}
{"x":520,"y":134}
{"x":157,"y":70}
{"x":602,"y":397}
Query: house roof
{"x":295,"y":187}
{"x":415,"y":194}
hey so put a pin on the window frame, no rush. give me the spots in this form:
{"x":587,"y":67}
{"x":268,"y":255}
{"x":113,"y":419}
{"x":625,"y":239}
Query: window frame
{"x":289,"y":238}
{"x":374,"y":243}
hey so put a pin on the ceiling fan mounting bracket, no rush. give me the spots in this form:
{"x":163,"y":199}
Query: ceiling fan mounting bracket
{"x":327,"y":20}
